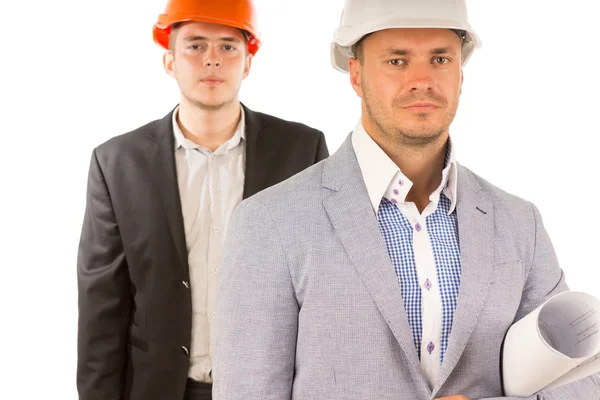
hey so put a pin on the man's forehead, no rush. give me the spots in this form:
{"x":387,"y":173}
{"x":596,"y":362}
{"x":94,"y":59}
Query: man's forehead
{"x":208,"y":30}
{"x":435,"y":36}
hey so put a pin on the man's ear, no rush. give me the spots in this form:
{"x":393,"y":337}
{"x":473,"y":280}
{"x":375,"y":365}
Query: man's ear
{"x":355,"y":70}
{"x":169,"y":63}
{"x":247,"y":65}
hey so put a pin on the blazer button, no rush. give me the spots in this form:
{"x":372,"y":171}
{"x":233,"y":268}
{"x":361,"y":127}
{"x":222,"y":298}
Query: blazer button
{"x":186,"y":284}
{"x":185,"y":350}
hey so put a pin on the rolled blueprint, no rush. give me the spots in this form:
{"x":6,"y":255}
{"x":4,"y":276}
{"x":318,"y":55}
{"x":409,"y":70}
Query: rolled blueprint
{"x":555,"y":344}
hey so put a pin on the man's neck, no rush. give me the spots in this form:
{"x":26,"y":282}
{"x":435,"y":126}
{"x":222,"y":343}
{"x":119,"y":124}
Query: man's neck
{"x":422,"y":164}
{"x":208,"y":128}
{"x":424,"y":168}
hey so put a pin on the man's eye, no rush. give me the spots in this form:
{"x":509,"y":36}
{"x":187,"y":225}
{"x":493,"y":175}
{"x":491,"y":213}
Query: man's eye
{"x":228,"y":47}
{"x":397,"y":62}
{"x":441,"y":60}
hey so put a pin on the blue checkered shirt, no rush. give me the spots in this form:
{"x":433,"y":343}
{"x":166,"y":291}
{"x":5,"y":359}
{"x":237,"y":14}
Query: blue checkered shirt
{"x":422,"y":245}
{"x":443,"y":231}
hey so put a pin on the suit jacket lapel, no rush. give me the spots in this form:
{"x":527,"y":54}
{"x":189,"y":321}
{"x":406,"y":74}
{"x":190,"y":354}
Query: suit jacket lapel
{"x":355,"y":223}
{"x":476,"y":229}
{"x":256,"y":155}
{"x":161,"y":162}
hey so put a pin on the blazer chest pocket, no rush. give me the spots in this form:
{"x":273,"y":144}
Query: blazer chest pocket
{"x":506,"y":288}
{"x":507,"y":273}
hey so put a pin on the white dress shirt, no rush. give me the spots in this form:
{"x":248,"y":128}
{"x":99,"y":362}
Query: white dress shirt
{"x":383,"y":179}
{"x":211,"y":185}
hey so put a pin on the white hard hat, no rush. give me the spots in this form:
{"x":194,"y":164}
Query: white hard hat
{"x":361,"y":17}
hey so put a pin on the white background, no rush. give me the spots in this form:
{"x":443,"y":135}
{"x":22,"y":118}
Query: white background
{"x":75,"y":73}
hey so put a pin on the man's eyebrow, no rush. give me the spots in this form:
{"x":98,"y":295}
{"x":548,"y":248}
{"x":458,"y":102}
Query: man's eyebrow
{"x":223,"y":39}
{"x":403,"y":52}
{"x":442,"y":50}
{"x":397,"y":52}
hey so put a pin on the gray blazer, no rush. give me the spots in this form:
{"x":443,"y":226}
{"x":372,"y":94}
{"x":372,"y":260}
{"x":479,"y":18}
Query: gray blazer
{"x":309,"y":306}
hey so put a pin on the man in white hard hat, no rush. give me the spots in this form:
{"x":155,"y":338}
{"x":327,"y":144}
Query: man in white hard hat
{"x":387,"y":271}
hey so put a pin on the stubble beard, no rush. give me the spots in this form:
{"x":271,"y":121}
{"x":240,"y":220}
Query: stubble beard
{"x":395,"y":135}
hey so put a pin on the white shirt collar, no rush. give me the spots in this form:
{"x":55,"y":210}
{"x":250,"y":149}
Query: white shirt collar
{"x":182,"y":141}
{"x":382,"y":175}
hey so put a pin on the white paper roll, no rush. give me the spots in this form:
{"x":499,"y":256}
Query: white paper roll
{"x":549,"y":342}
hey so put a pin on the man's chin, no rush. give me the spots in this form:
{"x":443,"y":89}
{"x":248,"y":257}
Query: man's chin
{"x":210,"y":104}
{"x":419,"y":134}
{"x":210,"y":101}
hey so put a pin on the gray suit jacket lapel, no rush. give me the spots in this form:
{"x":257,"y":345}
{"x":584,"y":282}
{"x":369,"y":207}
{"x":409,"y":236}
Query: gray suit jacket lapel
{"x":476,"y":230}
{"x":354,"y":220}
{"x":352,"y":216}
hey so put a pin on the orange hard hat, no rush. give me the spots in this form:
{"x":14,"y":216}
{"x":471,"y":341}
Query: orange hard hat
{"x":239,"y":14}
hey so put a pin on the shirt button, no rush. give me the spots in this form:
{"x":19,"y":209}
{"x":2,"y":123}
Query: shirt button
{"x":428,"y":284}
{"x":430,"y":347}
{"x":186,"y":284}
{"x":418,"y":227}
{"x":216,"y":189}
{"x":185,"y":350}
{"x":216,"y":229}
{"x":215,"y":270}
{"x":214,"y":315}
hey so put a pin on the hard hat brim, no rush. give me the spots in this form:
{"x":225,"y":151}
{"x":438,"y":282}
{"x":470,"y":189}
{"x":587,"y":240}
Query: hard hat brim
{"x":345,"y":39}
{"x":162,"y":28}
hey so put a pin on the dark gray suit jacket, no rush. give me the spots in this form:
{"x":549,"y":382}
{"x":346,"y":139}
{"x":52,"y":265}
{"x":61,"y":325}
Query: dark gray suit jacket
{"x":134,"y":306}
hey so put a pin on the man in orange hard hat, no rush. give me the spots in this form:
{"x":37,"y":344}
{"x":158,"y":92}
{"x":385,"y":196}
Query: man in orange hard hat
{"x":159,"y":201}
